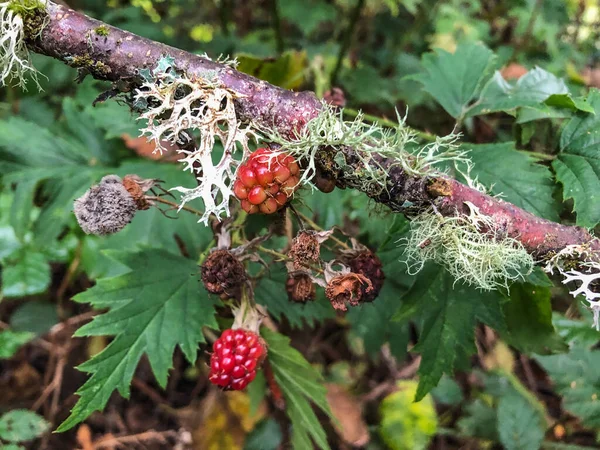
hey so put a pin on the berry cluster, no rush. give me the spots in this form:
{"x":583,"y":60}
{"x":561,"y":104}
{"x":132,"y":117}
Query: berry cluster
{"x":266,"y":183}
{"x":237,"y":354}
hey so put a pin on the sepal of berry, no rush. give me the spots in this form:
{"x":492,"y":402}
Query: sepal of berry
{"x":237,"y":355}
{"x":265,"y":183}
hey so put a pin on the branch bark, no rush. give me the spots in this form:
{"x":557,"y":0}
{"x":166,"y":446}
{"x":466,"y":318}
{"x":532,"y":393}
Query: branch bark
{"x":109,"y":53}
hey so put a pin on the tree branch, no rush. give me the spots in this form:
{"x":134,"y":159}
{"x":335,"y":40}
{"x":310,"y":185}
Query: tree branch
{"x":116,"y":55}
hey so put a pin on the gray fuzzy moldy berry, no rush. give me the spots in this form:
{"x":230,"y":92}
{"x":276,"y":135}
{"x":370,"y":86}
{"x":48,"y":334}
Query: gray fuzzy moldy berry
{"x":105,"y":208}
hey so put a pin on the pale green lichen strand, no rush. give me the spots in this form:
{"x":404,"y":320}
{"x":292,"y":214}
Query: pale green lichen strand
{"x":15,"y":62}
{"x":473,"y":248}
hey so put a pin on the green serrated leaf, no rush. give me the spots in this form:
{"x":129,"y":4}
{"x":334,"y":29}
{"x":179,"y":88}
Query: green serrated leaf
{"x":405,"y":424}
{"x":479,"y":421}
{"x":576,"y":377}
{"x":265,"y":436}
{"x":454,"y":80}
{"x":286,"y":71}
{"x":447,"y":314}
{"x":12,"y":341}
{"x":542,"y":111}
{"x":569,"y":102}
{"x":35,"y":317}
{"x":531,"y":89}
{"x":516,"y":176}
{"x":300,"y":385}
{"x":577,"y":332}
{"x":28,"y":274}
{"x":156,"y":306}
{"x":520,"y":426}
{"x":528,"y":313}
{"x":21,"y":425}
{"x":577,"y":166}
{"x":307,"y":15}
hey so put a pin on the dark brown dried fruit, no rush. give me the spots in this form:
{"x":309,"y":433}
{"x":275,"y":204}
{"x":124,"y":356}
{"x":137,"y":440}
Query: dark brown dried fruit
{"x":368,"y":264}
{"x":223,"y":273}
{"x":305,"y":250}
{"x":300,"y":288}
{"x":347,"y":288}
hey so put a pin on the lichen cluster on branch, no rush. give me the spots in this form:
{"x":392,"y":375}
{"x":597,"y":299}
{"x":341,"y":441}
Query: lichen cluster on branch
{"x":15,"y":61}
{"x":192,"y":114}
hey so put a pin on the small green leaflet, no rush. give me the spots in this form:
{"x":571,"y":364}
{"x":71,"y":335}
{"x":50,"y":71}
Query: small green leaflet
{"x":21,"y":425}
{"x":577,"y":166}
{"x":11,"y":341}
{"x":532,"y":89}
{"x":576,"y":377}
{"x":447,"y":315}
{"x":454,"y":80}
{"x":154,"y":307}
{"x":300,"y":384}
{"x":504,"y":170}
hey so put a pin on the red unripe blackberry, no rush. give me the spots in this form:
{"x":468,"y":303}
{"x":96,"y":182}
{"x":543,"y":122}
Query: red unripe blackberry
{"x":266,"y":183}
{"x":236,"y":356}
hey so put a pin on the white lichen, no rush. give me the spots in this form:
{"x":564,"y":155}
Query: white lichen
{"x":588,"y":276}
{"x":369,"y":142}
{"x":473,"y":248}
{"x":15,"y":61}
{"x":192,"y":114}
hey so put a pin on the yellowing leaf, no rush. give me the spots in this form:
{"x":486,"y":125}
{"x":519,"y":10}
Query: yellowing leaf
{"x":406,"y":424}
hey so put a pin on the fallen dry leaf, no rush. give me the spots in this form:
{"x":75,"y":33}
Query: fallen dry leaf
{"x":513,"y":71}
{"x":347,"y":410}
{"x":145,"y":149}
{"x":84,"y":437}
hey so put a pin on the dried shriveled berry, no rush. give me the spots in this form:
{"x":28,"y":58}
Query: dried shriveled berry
{"x":237,"y":354}
{"x":347,"y":288}
{"x":222,"y":273}
{"x":265,"y":183}
{"x":105,"y":208}
{"x":306,"y":249}
{"x":300,"y":288}
{"x":368,"y":264}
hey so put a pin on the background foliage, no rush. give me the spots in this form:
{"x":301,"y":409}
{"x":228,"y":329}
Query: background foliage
{"x":515,"y":369}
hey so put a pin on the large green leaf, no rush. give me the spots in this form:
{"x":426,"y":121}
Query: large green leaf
{"x":28,"y":274}
{"x":576,"y":377}
{"x":531,"y":89}
{"x":300,"y":384}
{"x":447,"y":314}
{"x":529,"y":319}
{"x":157,"y":305}
{"x":455,"y":79}
{"x":515,"y":176}
{"x":578,"y":163}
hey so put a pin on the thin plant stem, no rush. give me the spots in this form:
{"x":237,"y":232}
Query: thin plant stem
{"x":277,"y":26}
{"x":347,"y":40}
{"x":315,"y":226}
{"x":174,"y":205}
{"x":352,"y":113}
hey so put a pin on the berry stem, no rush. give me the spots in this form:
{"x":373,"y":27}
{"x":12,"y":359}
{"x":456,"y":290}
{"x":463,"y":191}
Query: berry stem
{"x":283,"y":256}
{"x":315,"y":226}
{"x":174,"y":205}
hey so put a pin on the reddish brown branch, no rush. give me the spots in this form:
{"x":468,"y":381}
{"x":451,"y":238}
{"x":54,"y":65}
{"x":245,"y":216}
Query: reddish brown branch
{"x":116,"y":55}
